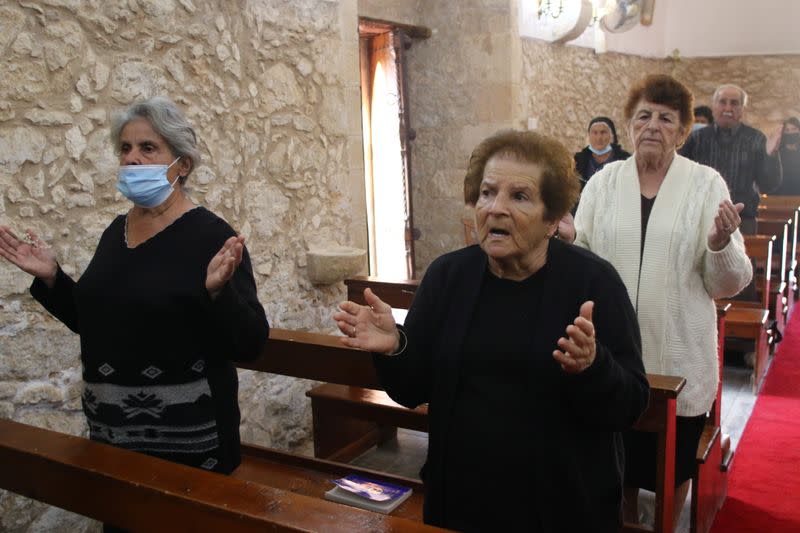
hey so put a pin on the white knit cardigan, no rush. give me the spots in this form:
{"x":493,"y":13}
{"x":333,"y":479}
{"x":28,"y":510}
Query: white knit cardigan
{"x":673,"y":290}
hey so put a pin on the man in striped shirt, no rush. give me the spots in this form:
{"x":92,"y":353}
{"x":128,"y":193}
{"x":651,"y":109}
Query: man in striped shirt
{"x":748,"y":162}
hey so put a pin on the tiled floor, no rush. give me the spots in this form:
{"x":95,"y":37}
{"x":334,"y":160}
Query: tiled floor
{"x":405,"y":455}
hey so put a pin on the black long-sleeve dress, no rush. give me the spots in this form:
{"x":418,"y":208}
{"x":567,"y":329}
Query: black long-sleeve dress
{"x":515,"y":443}
{"x":156,"y":350}
{"x":790,"y":162}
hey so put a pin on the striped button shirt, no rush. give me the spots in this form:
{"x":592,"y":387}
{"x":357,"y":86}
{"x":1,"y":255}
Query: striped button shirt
{"x":740,"y":155}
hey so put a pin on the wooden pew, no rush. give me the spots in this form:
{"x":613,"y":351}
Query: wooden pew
{"x":783,"y":285}
{"x":783,"y":207}
{"x":723,"y":308}
{"x":771,"y":201}
{"x":777,"y":206}
{"x":791,"y":276}
{"x":270,"y":491}
{"x":398,"y":294}
{"x":781,"y":266}
{"x":750,"y":320}
{"x":347,"y":421}
{"x":714,"y":452}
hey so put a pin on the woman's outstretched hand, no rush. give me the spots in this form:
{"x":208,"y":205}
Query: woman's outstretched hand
{"x":30,"y":253}
{"x":579,"y":349}
{"x":224,"y":264}
{"x":369,"y":327}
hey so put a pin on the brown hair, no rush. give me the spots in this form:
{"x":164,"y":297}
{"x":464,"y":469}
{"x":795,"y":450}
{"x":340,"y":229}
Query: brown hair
{"x":664,"y":90}
{"x":559,"y":186}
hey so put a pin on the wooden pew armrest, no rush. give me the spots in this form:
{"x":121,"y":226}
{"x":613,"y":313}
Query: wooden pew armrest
{"x":710,"y":435}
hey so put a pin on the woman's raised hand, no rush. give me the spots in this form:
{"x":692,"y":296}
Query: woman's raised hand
{"x":369,"y":327}
{"x":31,"y":254}
{"x":224,"y":264}
{"x":725,"y":224}
{"x":578,"y":351}
{"x":774,"y":141}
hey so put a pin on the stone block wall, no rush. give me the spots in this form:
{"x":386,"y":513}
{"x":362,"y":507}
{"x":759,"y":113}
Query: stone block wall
{"x":565,"y":86}
{"x":272,"y":88}
{"x":460,"y":91}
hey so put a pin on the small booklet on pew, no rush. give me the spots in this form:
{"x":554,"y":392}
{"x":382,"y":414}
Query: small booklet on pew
{"x":369,"y":494}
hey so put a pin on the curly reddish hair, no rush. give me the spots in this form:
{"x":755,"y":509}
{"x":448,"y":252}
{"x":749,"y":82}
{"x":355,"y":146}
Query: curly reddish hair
{"x":663,"y":90}
{"x":559,"y":186}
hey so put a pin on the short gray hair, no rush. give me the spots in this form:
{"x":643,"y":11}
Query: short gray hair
{"x":730,"y":86}
{"x":167,"y":120}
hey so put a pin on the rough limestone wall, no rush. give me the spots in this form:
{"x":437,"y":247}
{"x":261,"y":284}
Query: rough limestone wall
{"x":271,"y":87}
{"x":399,"y":11}
{"x":460,"y":91}
{"x":772,"y":83}
{"x":568,"y":85}
{"x":565,"y":86}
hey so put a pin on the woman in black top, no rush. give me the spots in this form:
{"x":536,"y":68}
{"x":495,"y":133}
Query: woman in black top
{"x":790,"y":158}
{"x":166,"y":304}
{"x":603,"y":148}
{"x":526,"y":350}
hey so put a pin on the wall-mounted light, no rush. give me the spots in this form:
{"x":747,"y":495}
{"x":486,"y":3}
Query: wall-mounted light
{"x":556,"y":21}
{"x":550,"y":8}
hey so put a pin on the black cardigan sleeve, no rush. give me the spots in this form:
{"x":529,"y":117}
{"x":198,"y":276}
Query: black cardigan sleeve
{"x":408,"y":376}
{"x":613,"y":392}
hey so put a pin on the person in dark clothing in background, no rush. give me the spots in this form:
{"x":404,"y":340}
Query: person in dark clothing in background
{"x":603,"y":148}
{"x":526,"y":350}
{"x":166,"y":304}
{"x":703,"y":116}
{"x":748,"y":162}
{"x":790,"y":158}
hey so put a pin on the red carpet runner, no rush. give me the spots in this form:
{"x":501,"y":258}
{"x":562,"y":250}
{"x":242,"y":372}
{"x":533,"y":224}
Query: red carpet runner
{"x":764,"y":486}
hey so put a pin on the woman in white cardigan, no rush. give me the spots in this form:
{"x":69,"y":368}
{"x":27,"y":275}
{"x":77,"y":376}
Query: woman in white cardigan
{"x":668,"y":226}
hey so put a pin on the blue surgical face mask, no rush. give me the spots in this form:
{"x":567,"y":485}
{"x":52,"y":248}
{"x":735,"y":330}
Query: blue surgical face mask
{"x":603,"y":151}
{"x":698,"y":126}
{"x":145,"y":185}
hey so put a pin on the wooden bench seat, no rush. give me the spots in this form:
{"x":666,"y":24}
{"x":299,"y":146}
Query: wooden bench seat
{"x":749,"y":321}
{"x":779,"y":301}
{"x":270,"y":491}
{"x":312,"y":477}
{"x":347,"y":421}
{"x":783,"y":207}
{"x":752,"y":323}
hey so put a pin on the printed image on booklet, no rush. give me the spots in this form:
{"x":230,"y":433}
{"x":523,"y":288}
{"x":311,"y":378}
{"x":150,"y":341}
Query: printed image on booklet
{"x":369,"y":494}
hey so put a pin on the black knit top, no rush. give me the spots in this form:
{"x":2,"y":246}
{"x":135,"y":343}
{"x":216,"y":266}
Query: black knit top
{"x":156,"y":350}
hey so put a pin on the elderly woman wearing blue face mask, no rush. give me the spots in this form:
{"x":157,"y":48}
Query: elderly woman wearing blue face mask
{"x":601,"y":150}
{"x":166,"y":304}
